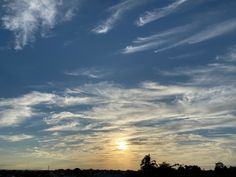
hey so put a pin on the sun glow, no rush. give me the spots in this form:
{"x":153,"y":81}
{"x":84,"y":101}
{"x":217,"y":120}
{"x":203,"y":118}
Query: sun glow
{"x":122,"y":145}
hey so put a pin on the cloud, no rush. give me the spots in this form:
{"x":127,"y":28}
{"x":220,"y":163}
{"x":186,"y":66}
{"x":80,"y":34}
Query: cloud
{"x":14,"y":111}
{"x":229,"y":57}
{"x":216,"y":69}
{"x":57,"y":117}
{"x":88,"y":72}
{"x":157,"y":40}
{"x":106,"y":102}
{"x":196,"y":115}
{"x":116,"y":12}
{"x":182,"y":35}
{"x":14,"y":116}
{"x":26,"y":18}
{"x":202,"y":100}
{"x":211,"y":32}
{"x":65,"y":127}
{"x":69,"y":121}
{"x":15,"y":138}
{"x":158,"y":13}
{"x":30,"y":99}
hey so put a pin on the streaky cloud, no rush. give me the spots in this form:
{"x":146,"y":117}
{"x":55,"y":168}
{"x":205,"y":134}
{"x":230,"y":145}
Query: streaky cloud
{"x":133,"y":49}
{"x":148,"y":116}
{"x":15,"y":115}
{"x":157,"y":40}
{"x":158,"y":13}
{"x":15,"y":138}
{"x":116,"y":13}
{"x":151,"y":116}
{"x":14,"y":111}
{"x":65,"y":127}
{"x":179,"y":36}
{"x":164,"y":34}
{"x":211,"y":32}
{"x":87,"y":72}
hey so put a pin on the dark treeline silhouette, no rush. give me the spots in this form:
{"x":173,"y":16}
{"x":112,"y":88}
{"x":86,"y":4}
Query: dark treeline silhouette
{"x":148,"y":168}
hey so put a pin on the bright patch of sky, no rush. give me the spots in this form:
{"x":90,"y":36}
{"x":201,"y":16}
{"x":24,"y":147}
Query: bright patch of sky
{"x":90,"y":84}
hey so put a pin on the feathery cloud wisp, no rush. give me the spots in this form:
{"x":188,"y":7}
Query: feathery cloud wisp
{"x":157,"y":40}
{"x":156,"y":14}
{"x":26,"y":18}
{"x":14,"y":111}
{"x":211,"y":32}
{"x":179,"y":36}
{"x":88,"y":72}
{"x":116,"y":11}
{"x":15,"y":138}
{"x":148,"y":115}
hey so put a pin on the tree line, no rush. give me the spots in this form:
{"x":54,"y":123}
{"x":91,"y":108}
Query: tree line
{"x":148,"y":168}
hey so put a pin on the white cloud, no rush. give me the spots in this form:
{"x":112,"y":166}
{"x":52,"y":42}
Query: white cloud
{"x":65,"y":127}
{"x":213,"y":69}
{"x":143,"y":47}
{"x":14,"y":111}
{"x":156,"y":14}
{"x":14,"y":116}
{"x":157,"y":40}
{"x":26,"y":18}
{"x":116,"y":12}
{"x":88,"y":72}
{"x":164,"y":119}
{"x":163,"y":116}
{"x":15,"y":138}
{"x":229,"y":57}
{"x":57,"y":117}
{"x":30,"y":99}
{"x":182,"y":35}
{"x":212,"y":31}
{"x":202,"y":98}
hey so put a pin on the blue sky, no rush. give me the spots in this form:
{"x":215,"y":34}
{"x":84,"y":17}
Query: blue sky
{"x":79,"y":79}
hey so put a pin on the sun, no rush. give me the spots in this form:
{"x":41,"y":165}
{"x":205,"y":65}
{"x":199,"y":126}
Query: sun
{"x":122,"y":145}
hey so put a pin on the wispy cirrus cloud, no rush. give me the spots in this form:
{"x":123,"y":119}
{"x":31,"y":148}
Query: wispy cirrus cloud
{"x":15,"y":138}
{"x":15,"y":115}
{"x":182,"y":35}
{"x":14,"y":111}
{"x":150,"y":116}
{"x":116,"y":12}
{"x":158,"y":13}
{"x":65,"y":127}
{"x":229,"y":57}
{"x":211,"y":32}
{"x":157,"y":40}
{"x":87,"y":72}
{"x":28,"y":18}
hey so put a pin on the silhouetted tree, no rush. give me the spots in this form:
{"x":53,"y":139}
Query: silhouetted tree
{"x":220,"y":169}
{"x":165,"y":165}
{"x":147,"y":163}
{"x":219,"y":166}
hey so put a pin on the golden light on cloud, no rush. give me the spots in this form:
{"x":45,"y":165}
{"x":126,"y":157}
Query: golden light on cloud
{"x":122,"y":145}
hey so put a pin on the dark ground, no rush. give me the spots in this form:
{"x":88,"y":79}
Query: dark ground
{"x":148,"y":168}
{"x":193,"y":171}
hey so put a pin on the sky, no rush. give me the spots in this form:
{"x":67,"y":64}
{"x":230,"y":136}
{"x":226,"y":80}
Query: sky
{"x":99,"y":84}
